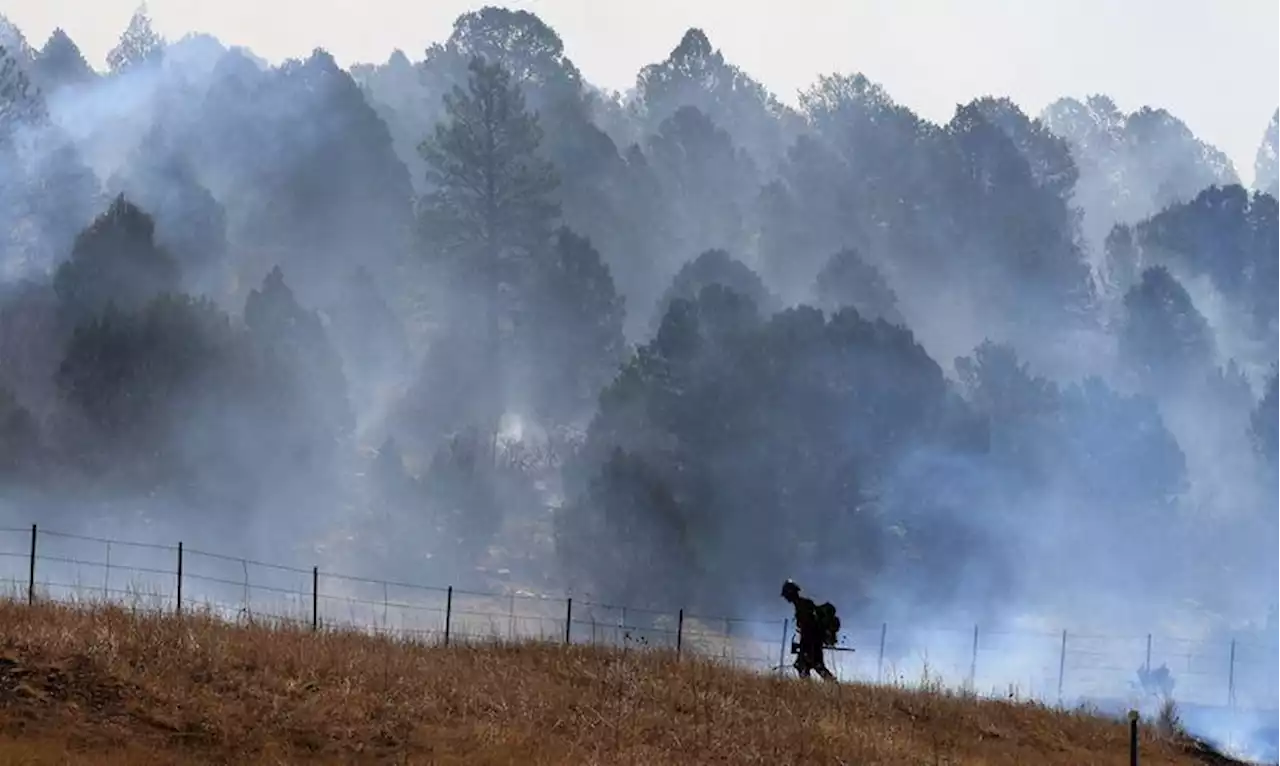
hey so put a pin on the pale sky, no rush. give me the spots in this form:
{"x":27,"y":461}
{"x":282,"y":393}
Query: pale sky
{"x":1214,"y":63}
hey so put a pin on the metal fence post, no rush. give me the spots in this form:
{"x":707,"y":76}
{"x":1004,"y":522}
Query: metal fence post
{"x":178,"y":608}
{"x":1133,"y":738}
{"x":1062,"y":665}
{"x":973,"y":661}
{"x":511,"y":619}
{"x":884,"y":629}
{"x":31,"y":572}
{"x":679,"y":632}
{"x":315,"y":598}
{"x":448,"y":614}
{"x":1231,"y":677}
{"x":728,"y":640}
{"x":568,"y":618}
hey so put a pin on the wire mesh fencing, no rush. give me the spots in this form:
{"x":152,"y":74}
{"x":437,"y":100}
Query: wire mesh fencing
{"x":1059,"y":666}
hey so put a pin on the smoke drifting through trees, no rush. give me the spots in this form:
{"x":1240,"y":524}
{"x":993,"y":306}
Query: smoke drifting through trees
{"x":469,"y":313}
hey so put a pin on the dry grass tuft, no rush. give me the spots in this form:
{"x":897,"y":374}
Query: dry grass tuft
{"x":104,"y":685}
{"x":1168,"y":721}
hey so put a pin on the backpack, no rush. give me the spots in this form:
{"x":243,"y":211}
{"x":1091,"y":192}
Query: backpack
{"x":828,"y":623}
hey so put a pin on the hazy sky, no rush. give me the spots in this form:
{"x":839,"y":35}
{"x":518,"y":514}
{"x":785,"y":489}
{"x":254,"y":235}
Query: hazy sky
{"x":1215,"y":64}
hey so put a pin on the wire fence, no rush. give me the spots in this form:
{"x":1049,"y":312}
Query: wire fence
{"x":1052,"y":666}
{"x":42,"y":563}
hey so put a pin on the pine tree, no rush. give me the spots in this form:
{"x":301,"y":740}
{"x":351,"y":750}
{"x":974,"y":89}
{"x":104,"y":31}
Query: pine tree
{"x":489,"y":216}
{"x":1163,"y":335}
{"x":1266,"y":175}
{"x":60,"y":63}
{"x":20,"y":101}
{"x":13,"y":41}
{"x":848,"y":280}
{"x":714,"y":267}
{"x":115,"y":261}
{"x":490,"y":208}
{"x":138,"y":45}
{"x":295,"y":347}
{"x":189,"y":221}
{"x":579,"y":343}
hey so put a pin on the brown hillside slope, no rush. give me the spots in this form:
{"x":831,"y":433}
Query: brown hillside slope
{"x":103,"y":686}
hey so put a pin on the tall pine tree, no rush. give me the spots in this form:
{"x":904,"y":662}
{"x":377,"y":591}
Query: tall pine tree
{"x":489,"y":214}
{"x":490,"y":207}
{"x":139,"y":45}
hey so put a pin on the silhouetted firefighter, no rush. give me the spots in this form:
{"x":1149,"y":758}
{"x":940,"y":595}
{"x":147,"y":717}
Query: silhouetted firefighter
{"x":818,"y":627}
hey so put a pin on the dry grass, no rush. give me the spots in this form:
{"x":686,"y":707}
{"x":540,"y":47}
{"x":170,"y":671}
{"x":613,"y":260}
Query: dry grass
{"x":102,"y":685}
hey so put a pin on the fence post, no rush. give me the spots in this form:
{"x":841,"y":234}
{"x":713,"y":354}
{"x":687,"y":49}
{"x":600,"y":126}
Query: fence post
{"x":728,"y":643}
{"x":31,"y":572}
{"x":511,"y":620}
{"x":1133,"y":738}
{"x":884,"y":629}
{"x":568,"y":619}
{"x":679,"y":632}
{"x":1062,"y":665}
{"x":973,"y":661}
{"x":179,"y":606}
{"x":315,"y":598}
{"x":1231,"y":677}
{"x":782,"y":650}
{"x":448,"y":613}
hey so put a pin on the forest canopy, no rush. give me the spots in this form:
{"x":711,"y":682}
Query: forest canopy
{"x":468,"y":312}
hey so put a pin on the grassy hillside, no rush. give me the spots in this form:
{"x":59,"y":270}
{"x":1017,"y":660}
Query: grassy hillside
{"x":104,"y":686}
